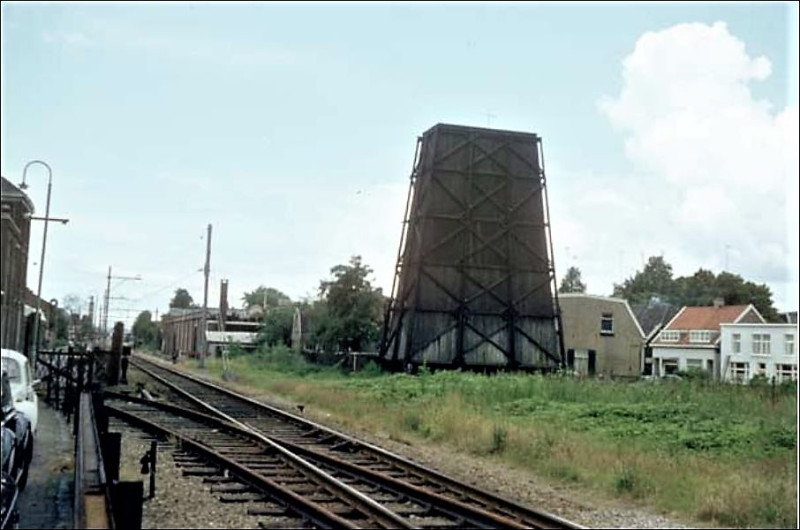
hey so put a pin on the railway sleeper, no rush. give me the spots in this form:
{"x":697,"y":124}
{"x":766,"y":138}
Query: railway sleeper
{"x":291,"y":481}
{"x":278,"y":511}
{"x":232,"y":488}
{"x":389,"y":497}
{"x":219,"y":480}
{"x":344,"y":445}
{"x":201,"y":472}
{"x":242,"y":498}
{"x":296,"y":523}
{"x":406,"y":511}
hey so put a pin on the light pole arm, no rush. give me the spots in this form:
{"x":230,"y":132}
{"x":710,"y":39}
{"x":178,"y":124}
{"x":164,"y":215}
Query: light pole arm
{"x":44,"y":248}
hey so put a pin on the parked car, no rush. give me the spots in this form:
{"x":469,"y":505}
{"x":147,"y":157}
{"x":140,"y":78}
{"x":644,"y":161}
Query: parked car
{"x":17,"y":438}
{"x":20,"y":375}
{"x":9,"y":515}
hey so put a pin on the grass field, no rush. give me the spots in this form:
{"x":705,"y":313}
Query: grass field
{"x":723,"y":454}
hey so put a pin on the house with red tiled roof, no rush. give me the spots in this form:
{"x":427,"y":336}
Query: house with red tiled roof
{"x":691,"y":340}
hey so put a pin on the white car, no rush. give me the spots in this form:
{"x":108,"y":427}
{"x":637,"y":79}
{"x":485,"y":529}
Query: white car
{"x":20,"y":375}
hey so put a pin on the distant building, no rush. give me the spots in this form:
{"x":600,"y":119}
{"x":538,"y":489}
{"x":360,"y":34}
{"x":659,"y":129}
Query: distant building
{"x":652,"y":316}
{"x":601,"y":336}
{"x":748,"y":350}
{"x":15,"y":237}
{"x":790,"y":317}
{"x":186,"y":331}
{"x":691,"y":339}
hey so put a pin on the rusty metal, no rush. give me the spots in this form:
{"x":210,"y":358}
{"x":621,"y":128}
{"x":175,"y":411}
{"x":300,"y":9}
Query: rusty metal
{"x":475,"y":283}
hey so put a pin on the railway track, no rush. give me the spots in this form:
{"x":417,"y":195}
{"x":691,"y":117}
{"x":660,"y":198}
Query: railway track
{"x":442,"y":500}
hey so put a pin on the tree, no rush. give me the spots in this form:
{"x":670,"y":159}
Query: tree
{"x":571,"y":283}
{"x":700,"y":289}
{"x":736,"y":291}
{"x":654,"y":280}
{"x":277,"y":328}
{"x":146,"y":331}
{"x":182,"y":299}
{"x":73,"y":304}
{"x":349,"y":316}
{"x":265,"y":297}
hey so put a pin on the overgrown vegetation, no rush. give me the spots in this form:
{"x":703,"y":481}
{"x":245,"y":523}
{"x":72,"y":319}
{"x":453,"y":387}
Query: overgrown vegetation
{"x":724,"y":454}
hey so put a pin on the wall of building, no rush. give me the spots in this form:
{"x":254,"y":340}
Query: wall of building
{"x":619,"y":353}
{"x":15,"y":232}
{"x":183,"y":332}
{"x":701,"y":357}
{"x":780,"y":362}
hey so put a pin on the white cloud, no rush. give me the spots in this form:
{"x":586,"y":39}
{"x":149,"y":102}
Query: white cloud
{"x":718,"y":162}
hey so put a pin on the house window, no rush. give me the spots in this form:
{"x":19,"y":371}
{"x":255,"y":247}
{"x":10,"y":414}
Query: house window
{"x":694,"y":364}
{"x":740,"y":371}
{"x":760,"y":344}
{"x":786,"y":372}
{"x":700,"y":336}
{"x":670,"y":336}
{"x":762,"y":369}
{"x":607,"y":324}
{"x":788,"y":344}
{"x":670,"y":366}
{"x":737,"y":343}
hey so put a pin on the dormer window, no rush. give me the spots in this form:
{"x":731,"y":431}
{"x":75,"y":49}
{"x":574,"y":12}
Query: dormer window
{"x":700,"y":336}
{"x":670,"y":336}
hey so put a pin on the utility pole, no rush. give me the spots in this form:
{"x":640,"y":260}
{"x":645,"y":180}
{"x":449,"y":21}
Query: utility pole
{"x":107,"y":296}
{"x":105,"y":303}
{"x":206,"y":270}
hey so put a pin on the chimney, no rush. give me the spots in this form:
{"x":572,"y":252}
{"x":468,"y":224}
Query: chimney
{"x":719,"y":302}
{"x":223,"y":303}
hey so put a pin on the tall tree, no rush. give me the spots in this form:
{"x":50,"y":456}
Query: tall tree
{"x":182,"y":299}
{"x":146,"y":331}
{"x":349,"y":318}
{"x":700,"y":289}
{"x":571,"y":283}
{"x":265,"y":298}
{"x":654,"y":280}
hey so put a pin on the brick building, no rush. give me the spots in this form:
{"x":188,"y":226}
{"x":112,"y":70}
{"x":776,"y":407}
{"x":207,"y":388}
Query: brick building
{"x":17,"y":209}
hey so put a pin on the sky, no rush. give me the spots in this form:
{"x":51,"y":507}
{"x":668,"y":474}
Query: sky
{"x":668,"y":129}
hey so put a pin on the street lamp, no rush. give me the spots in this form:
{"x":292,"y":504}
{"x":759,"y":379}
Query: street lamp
{"x":44,"y":246}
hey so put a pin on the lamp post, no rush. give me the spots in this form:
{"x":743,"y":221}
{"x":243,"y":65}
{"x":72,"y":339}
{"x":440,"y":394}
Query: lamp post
{"x":44,"y":246}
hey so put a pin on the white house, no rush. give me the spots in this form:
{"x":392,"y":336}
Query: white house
{"x":691,"y":339}
{"x":747,"y":350}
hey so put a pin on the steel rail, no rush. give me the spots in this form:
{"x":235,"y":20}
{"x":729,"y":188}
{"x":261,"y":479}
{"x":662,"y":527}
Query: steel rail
{"x":379,"y":513}
{"x":457,"y":510}
{"x":314,"y":512}
{"x":513,"y":513}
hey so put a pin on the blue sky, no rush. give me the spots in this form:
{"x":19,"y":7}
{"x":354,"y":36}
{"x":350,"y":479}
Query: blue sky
{"x":291,"y":129}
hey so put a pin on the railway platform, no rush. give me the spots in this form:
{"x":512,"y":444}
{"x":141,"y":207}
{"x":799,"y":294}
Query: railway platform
{"x":47,"y":501}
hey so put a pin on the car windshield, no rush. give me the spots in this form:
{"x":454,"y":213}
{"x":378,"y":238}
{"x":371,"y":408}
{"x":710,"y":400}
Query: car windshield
{"x":11,"y":367}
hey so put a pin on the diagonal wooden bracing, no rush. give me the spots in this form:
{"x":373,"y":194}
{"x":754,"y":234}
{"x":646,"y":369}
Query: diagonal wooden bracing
{"x":475,"y":283}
